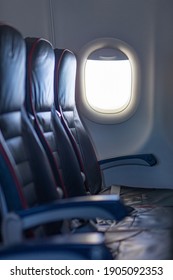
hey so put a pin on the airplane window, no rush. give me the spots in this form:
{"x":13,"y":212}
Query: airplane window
{"x":108,"y":88}
{"x":108,"y":80}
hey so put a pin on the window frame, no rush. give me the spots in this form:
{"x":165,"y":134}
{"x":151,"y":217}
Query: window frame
{"x":81,"y":99}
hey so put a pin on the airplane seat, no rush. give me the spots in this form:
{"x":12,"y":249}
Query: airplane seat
{"x":40,"y":107}
{"x":26,"y":177}
{"x":65,"y":78}
{"x":18,"y":163}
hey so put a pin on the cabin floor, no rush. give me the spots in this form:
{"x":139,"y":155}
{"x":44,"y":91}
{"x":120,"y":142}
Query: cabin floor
{"x":147,"y":234}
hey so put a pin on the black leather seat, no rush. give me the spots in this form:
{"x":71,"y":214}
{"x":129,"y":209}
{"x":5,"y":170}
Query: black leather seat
{"x":23,"y":183}
{"x":65,"y":78}
{"x":40,"y":107}
{"x":61,"y":132}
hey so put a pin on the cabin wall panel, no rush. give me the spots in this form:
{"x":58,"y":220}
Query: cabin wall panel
{"x":77,"y":22}
{"x":31,"y":18}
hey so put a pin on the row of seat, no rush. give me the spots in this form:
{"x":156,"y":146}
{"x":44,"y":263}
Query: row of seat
{"x":45,"y":152}
{"x":68,"y":140}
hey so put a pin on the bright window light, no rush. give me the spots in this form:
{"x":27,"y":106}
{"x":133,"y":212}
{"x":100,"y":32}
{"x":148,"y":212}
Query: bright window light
{"x":108,"y":84}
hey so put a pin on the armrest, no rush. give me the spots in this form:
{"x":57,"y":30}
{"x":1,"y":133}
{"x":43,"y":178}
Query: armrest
{"x":86,"y":207}
{"x":141,"y":159}
{"x":62,"y":247}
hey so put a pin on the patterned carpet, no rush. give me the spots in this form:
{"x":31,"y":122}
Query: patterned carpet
{"x":148,"y":232}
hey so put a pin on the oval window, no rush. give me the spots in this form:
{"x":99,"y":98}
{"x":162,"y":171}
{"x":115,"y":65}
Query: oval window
{"x":108,"y":80}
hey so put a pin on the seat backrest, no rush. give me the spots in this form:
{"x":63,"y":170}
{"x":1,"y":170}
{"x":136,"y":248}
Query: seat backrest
{"x":25,"y":174}
{"x":65,"y":78}
{"x":46,"y":120}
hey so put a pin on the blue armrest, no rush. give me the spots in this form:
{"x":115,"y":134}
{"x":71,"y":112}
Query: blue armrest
{"x":86,"y":207}
{"x":141,"y":159}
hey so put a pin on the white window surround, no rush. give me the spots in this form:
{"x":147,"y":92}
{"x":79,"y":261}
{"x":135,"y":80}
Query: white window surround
{"x":83,"y":105}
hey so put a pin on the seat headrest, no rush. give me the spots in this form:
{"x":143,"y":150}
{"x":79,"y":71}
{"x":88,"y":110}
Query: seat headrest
{"x":65,"y":79}
{"x":12,"y":69}
{"x":40,"y":74}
